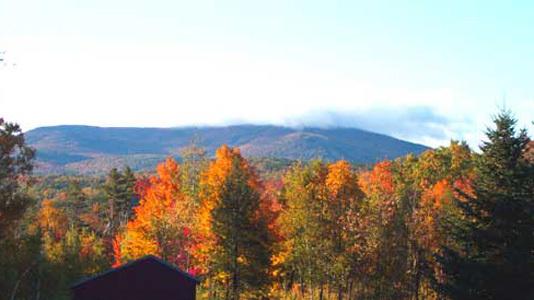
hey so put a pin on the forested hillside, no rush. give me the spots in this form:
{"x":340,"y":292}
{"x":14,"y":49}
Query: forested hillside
{"x":449,"y":223}
{"x":95,"y":150}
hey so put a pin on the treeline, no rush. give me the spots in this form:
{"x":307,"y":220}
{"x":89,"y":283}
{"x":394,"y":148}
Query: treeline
{"x":448,"y":224}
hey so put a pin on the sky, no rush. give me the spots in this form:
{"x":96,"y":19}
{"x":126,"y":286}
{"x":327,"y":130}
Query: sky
{"x":423,"y":71}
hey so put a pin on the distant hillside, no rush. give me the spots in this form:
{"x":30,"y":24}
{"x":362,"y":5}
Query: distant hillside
{"x":83,"y":149}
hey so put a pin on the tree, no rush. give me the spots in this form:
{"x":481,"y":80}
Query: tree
{"x":239,"y":254}
{"x":194,"y":163}
{"x":15,"y":166}
{"x":162,"y":221}
{"x":75,"y":203}
{"x":300,"y":257}
{"x":67,"y":252}
{"x":343,"y":206}
{"x":494,"y":243}
{"x":387,"y":211}
{"x":119,"y":189}
{"x":320,"y":229}
{"x":431,"y":182}
{"x":129,"y":195}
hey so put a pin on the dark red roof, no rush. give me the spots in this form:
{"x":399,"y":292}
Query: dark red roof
{"x":146,"y":278}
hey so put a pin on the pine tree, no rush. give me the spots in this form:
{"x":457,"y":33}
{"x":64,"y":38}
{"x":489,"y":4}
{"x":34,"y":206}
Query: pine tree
{"x":112,"y":190}
{"x":494,"y":253}
{"x":75,"y":203}
{"x":119,"y":189}
{"x":128,"y":196}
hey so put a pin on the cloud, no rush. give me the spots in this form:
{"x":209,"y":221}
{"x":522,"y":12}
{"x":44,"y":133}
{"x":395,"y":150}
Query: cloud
{"x":415,"y":123}
{"x":78,"y":81}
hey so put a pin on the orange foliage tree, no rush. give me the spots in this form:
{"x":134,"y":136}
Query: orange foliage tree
{"x":235,"y":253}
{"x":441,"y":176}
{"x":162,"y":223}
{"x":343,"y":225}
{"x":68,"y":252}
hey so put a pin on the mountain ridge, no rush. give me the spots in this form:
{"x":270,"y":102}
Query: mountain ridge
{"x":66,"y":147}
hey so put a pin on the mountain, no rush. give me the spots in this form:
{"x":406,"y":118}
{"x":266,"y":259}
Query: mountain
{"x":88,"y":149}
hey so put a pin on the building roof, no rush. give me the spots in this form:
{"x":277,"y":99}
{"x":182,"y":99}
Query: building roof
{"x":134,"y":263}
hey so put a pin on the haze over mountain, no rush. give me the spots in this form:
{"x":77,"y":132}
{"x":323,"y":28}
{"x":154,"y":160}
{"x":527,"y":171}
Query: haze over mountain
{"x":76,"y":149}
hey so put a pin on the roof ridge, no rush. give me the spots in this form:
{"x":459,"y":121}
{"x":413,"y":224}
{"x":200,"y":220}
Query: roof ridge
{"x":133,"y":262}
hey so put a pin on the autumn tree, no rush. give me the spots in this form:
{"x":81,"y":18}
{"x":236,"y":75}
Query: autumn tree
{"x":67,"y":252}
{"x":299,"y":259}
{"x":400,"y":220}
{"x":436,"y":176}
{"x":162,"y":222}
{"x":321,"y":243}
{"x":493,"y":257}
{"x":343,"y":205}
{"x":237,"y":236}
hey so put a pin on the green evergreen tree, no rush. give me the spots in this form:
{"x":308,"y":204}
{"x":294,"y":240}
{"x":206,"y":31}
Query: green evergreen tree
{"x":494,"y":253}
{"x":119,"y":190}
{"x":76,"y":203}
{"x":128,"y":196}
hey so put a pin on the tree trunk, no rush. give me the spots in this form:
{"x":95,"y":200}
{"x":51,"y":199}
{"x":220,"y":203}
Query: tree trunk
{"x":235,"y":279}
{"x":302,"y":288}
{"x":350,"y":289}
{"x":17,"y":283}
{"x":38,"y":288}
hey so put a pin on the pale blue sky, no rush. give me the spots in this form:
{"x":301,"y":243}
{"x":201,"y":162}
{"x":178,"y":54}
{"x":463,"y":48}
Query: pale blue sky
{"x":423,"y":71}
